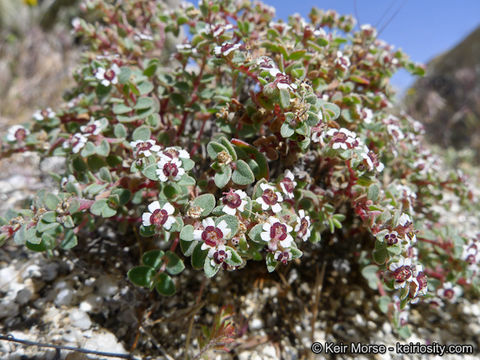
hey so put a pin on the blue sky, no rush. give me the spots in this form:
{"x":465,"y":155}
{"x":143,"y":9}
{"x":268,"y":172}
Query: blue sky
{"x":422,"y":28}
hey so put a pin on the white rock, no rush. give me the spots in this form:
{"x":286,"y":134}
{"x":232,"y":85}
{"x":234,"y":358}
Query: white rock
{"x":80,"y":319}
{"x":7,"y":275}
{"x":105,"y":341}
{"x":92,"y":303}
{"x":256,"y":324}
{"x":64,"y":297}
{"x":32,"y":271}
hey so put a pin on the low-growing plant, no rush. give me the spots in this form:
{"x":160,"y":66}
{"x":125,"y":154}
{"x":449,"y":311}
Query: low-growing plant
{"x":254,"y":140}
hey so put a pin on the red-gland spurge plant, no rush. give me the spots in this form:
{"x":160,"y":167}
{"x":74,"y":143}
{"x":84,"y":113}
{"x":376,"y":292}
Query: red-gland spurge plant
{"x":253,"y":137}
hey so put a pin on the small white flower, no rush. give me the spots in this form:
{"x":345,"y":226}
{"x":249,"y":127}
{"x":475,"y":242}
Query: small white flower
{"x":371,"y":160}
{"x":212,"y":235}
{"x":395,"y":132}
{"x":108,"y":76}
{"x":226,"y":48}
{"x":450,"y":292}
{"x":144,"y":148}
{"x":76,"y":142}
{"x":41,"y":115}
{"x":275,"y":232}
{"x":402,"y":272}
{"x":270,"y":199}
{"x":343,"y":139}
{"x":234,"y":201}
{"x":368,"y":30}
{"x":174,"y":153}
{"x":288,"y":184}
{"x":94,"y":127}
{"x":169,"y":169}
{"x":342,"y":62}
{"x":184,"y":47}
{"x":281,"y":27}
{"x":405,"y":220}
{"x":267,"y":64}
{"x":282,"y":81}
{"x":17,"y":133}
{"x":159,"y":216}
{"x":283,"y":256}
{"x":303,"y":225}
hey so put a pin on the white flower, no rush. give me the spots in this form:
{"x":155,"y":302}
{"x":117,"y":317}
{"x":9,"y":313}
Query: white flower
{"x":402,"y":272}
{"x":267,"y":64}
{"x":92,"y":128}
{"x":368,"y":30}
{"x":184,"y":47}
{"x":404,"y":220}
{"x":303,"y":225}
{"x":270,"y":199}
{"x":395,"y":132}
{"x":108,"y":76}
{"x":449,"y":291}
{"x":41,"y":115}
{"x":144,"y":148}
{"x":174,"y":153}
{"x":226,"y":48}
{"x":282,"y":81}
{"x":371,"y":160}
{"x":17,"y":133}
{"x":159,"y":216}
{"x":288,"y":184}
{"x":275,"y":232}
{"x":217,"y":29}
{"x":76,"y":142}
{"x":343,"y":139}
{"x":234,"y":201}
{"x":169,"y":169}
{"x":213,"y":237}
{"x":283,"y":256}
{"x":367,"y":115}
{"x":342,"y":62}
{"x":281,"y":27}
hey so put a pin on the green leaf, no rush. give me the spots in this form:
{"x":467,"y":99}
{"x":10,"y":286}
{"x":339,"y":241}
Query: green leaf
{"x":222,"y":178}
{"x":101,"y":208}
{"x":209,"y":269}
{"x":254,"y":234}
{"x":373,"y":192}
{"x":286,"y":131}
{"x":141,"y":133}
{"x":51,"y":201}
{"x":103,"y":149}
{"x":206,"y":202}
{"x":331,"y":110}
{"x":271,"y":262}
{"x":188,"y":247}
{"x":405,"y":332}
{"x":150,"y":172}
{"x":235,"y":259}
{"x":284,"y":98}
{"x":141,"y":275}
{"x":229,"y":148}
{"x":153,"y":258}
{"x":165,"y":285}
{"x":144,"y":103}
{"x":243,"y":175}
{"x":383,"y":303}
{"x":198,"y":257}
{"x":121,"y":109}
{"x":369,"y":272}
{"x":49,"y":217}
{"x":214,"y":148}
{"x":174,"y":263}
{"x":69,"y":241}
{"x":124,"y":75}
{"x":187,"y":233}
{"x":186,"y":180}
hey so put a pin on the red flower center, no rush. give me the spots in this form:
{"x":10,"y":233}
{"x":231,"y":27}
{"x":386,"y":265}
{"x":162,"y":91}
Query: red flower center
{"x":278,"y":231}
{"x":270,"y":197}
{"x":90,"y":129}
{"x":20,"y":134}
{"x":159,"y":217}
{"x":219,"y":256}
{"x":144,"y":146}
{"x":232,"y":199}
{"x":288,"y":185}
{"x":109,"y":75}
{"x":391,"y":239}
{"x":170,"y":169}
{"x":211,"y":235}
{"x":449,"y":293}
{"x":171,"y":153}
{"x":402,"y":274}
{"x":303,"y":227}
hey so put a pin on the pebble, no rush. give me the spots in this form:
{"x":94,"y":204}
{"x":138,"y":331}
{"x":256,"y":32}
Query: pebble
{"x":80,"y":319}
{"x":23,"y":296}
{"x":105,"y":340}
{"x":64,"y":297}
{"x":8,"y":309}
